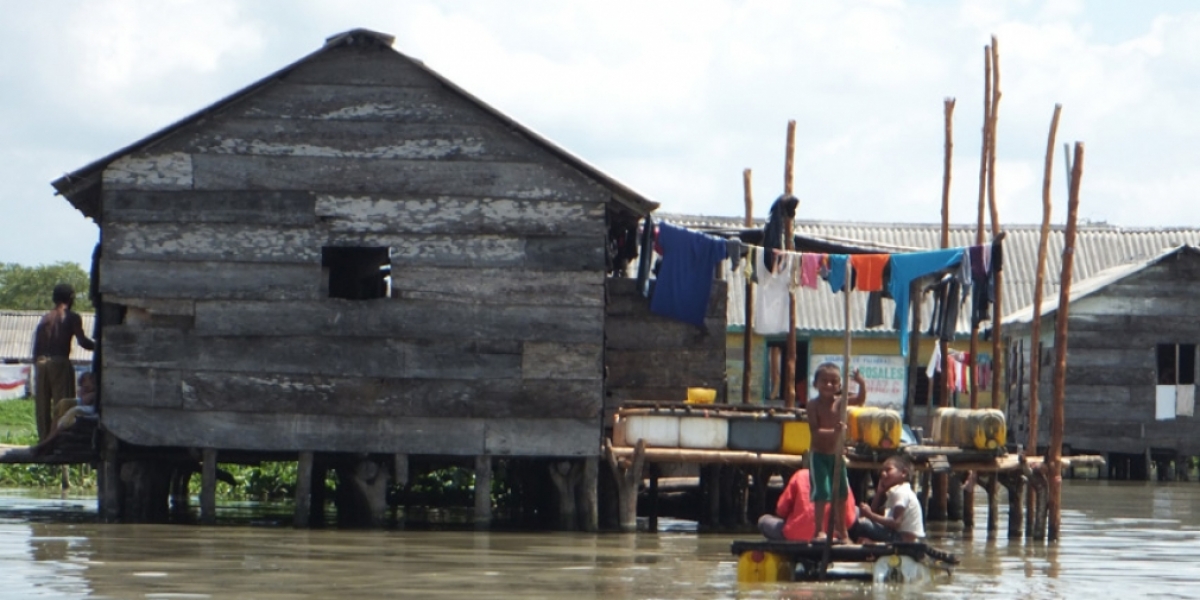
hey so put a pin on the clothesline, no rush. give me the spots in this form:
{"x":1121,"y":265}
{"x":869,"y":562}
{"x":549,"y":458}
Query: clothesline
{"x":689,"y":258}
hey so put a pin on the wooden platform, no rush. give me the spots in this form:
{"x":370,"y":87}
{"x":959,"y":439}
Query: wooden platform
{"x":727,"y":457}
{"x":809,"y":553}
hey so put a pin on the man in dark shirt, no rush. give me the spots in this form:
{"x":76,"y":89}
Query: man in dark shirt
{"x":52,"y":355}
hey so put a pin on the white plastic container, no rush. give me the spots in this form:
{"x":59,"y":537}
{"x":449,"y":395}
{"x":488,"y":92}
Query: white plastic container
{"x":703,"y":432}
{"x":659,"y":431}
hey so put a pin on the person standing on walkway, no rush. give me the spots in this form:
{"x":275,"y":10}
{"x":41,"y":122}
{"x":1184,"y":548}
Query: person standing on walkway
{"x":54,"y":376}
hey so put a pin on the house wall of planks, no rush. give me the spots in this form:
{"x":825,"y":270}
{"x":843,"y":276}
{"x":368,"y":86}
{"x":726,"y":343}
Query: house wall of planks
{"x":492,"y":340}
{"x":1112,"y":366}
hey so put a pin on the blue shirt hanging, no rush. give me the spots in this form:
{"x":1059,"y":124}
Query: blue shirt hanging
{"x":685,"y":277}
{"x":907,"y":267}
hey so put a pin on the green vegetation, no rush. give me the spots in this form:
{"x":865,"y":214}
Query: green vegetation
{"x":29,"y":288}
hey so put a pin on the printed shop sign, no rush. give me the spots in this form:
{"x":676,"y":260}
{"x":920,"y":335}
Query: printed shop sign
{"x":884,"y":375}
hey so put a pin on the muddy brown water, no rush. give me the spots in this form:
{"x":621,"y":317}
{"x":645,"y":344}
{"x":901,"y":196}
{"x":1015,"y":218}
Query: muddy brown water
{"x":1120,"y":540}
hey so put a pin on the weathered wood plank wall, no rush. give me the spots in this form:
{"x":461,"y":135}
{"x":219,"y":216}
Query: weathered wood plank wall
{"x":651,"y":358}
{"x":492,"y":341}
{"x":1111,"y":365}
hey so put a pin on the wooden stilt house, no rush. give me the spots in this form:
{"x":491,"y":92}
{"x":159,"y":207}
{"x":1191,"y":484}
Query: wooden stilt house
{"x":354,"y":255}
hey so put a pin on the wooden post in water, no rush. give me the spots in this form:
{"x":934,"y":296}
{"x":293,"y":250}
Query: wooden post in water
{"x":941,"y":481}
{"x":591,"y":495}
{"x":304,"y":471}
{"x":979,"y":239}
{"x":628,"y":474}
{"x":748,"y":334}
{"x":208,"y":486}
{"x":789,"y":243}
{"x":1054,"y":455}
{"x":998,"y":276}
{"x":483,"y":491}
{"x":1035,"y":336}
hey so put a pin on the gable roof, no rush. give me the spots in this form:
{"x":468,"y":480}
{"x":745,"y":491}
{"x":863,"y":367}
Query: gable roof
{"x":16,"y":335}
{"x":1099,"y":247}
{"x":1097,"y":283}
{"x":82,"y":186}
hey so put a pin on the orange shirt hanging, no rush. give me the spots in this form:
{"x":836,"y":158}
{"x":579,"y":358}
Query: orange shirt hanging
{"x":868,"y":271}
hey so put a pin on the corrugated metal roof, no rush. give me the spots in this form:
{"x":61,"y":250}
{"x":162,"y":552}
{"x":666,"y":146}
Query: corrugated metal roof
{"x":16,"y":335}
{"x":1098,"y":246}
{"x":1094,"y":284}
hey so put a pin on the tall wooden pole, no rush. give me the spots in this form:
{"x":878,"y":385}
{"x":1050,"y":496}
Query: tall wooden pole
{"x":941,"y":481}
{"x":983,"y":170}
{"x":1054,"y":455}
{"x":839,"y":463}
{"x":998,"y":276}
{"x":1035,"y":334}
{"x":789,"y":369}
{"x":748,"y":335}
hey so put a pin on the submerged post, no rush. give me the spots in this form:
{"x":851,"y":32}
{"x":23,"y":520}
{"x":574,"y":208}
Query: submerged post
{"x":304,"y":469}
{"x":483,"y":490}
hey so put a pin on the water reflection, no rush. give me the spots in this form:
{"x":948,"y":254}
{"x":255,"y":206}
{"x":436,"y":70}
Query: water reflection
{"x":1138,"y":539}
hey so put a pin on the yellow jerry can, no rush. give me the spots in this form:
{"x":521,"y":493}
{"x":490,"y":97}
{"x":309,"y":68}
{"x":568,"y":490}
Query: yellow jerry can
{"x":758,"y":566}
{"x":797,"y":437}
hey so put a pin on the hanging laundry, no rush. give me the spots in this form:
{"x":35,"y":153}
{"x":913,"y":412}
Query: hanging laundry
{"x":782,"y":209}
{"x":980,"y":284}
{"x":837,"y":271}
{"x":868,"y":270}
{"x":772,"y":301}
{"x":935,"y":362}
{"x":874,"y":310}
{"x":736,"y":250}
{"x":685,"y":278}
{"x":810,"y":267}
{"x":904,"y":269}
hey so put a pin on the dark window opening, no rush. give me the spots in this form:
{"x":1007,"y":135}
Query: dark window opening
{"x":356,"y":273}
{"x":1176,"y":364}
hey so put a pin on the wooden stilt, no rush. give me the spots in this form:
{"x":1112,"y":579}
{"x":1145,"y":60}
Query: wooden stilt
{"x":758,"y":494}
{"x":653,"y":523}
{"x":208,"y":487}
{"x":628,"y":475}
{"x":400,"y":469}
{"x":968,"y":502}
{"x":565,"y":475}
{"x":710,"y":479}
{"x":483,"y":491}
{"x":993,"y":493}
{"x":1014,"y":484}
{"x":304,"y":472}
{"x":110,"y":483}
{"x":589,"y":497}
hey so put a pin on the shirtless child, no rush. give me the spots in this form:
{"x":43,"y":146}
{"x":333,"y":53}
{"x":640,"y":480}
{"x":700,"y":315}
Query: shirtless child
{"x":824,"y":421}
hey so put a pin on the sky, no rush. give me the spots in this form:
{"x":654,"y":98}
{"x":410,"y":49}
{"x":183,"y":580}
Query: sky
{"x":673,"y":98}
